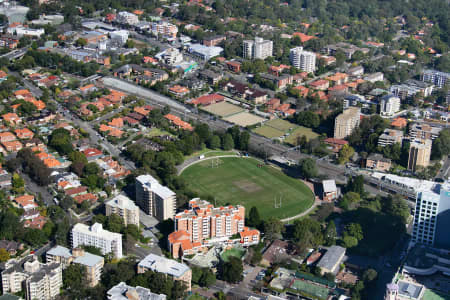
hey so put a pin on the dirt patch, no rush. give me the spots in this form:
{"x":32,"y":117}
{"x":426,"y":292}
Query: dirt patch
{"x":247,"y":186}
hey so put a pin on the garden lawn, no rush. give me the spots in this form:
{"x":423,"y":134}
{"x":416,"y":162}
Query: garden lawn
{"x":299,"y":131}
{"x":249,"y":182}
{"x":239,"y":253}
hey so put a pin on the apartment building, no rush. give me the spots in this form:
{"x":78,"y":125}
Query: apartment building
{"x":437,"y":78}
{"x":203,"y":224}
{"x":431,"y":221}
{"x":164,"y":29}
{"x":257,"y":48}
{"x":171,"y":56}
{"x":410,"y":88}
{"x":346,"y":121}
{"x":169,"y":267}
{"x":125,"y":17}
{"x":424,"y":131}
{"x":378,"y":162}
{"x":125,"y":208}
{"x":214,"y":40}
{"x":389,"y":105}
{"x":122,"y":291}
{"x":93,"y":264}
{"x":40,"y":281}
{"x":303,"y":60}
{"x":155,"y":199}
{"x":419,"y":154}
{"x":390,"y":137}
{"x":95,"y":235}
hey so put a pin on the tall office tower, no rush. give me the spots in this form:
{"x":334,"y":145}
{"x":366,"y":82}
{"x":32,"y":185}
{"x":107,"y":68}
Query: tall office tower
{"x":432,"y":216}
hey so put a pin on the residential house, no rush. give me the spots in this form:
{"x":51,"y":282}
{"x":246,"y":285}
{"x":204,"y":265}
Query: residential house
{"x":177,"y":122}
{"x":11,"y":118}
{"x":335,"y":144}
{"x":356,"y":71}
{"x":320,"y":84}
{"x":7,"y":136}
{"x":276,"y":252}
{"x":12,"y":146}
{"x":210,"y":76}
{"x":24,"y":134}
{"x":234,"y":66}
{"x":378,"y":76}
{"x":179,"y":91}
{"x":399,"y":122}
{"x":11,"y":246}
{"x":244,"y":91}
{"x":88,"y":89}
{"x":279,"y":81}
{"x":338,"y":78}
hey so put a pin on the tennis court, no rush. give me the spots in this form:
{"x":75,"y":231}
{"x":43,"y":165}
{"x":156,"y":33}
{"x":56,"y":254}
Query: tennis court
{"x":244,"y":119}
{"x":223,"y":109}
{"x":311,"y":289}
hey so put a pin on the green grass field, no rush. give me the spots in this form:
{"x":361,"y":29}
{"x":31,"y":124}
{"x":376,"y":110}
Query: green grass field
{"x":268,"y":132}
{"x":433,"y":295}
{"x":299,"y":131}
{"x":239,"y":253}
{"x":241,"y":181}
{"x":281,"y":124}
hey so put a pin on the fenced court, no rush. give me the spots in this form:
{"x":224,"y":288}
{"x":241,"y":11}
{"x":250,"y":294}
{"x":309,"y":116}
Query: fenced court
{"x":244,"y":119}
{"x":223,"y":109}
{"x":310,"y":288}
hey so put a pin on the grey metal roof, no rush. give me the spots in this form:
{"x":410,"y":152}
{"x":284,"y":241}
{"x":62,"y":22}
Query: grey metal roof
{"x":9,"y":297}
{"x":331,"y":257}
{"x":60,"y":251}
{"x":409,"y":289}
{"x":163,"y":265}
{"x":329,"y":186}
{"x":88,"y":259}
{"x":119,"y":291}
{"x":153,"y":184}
